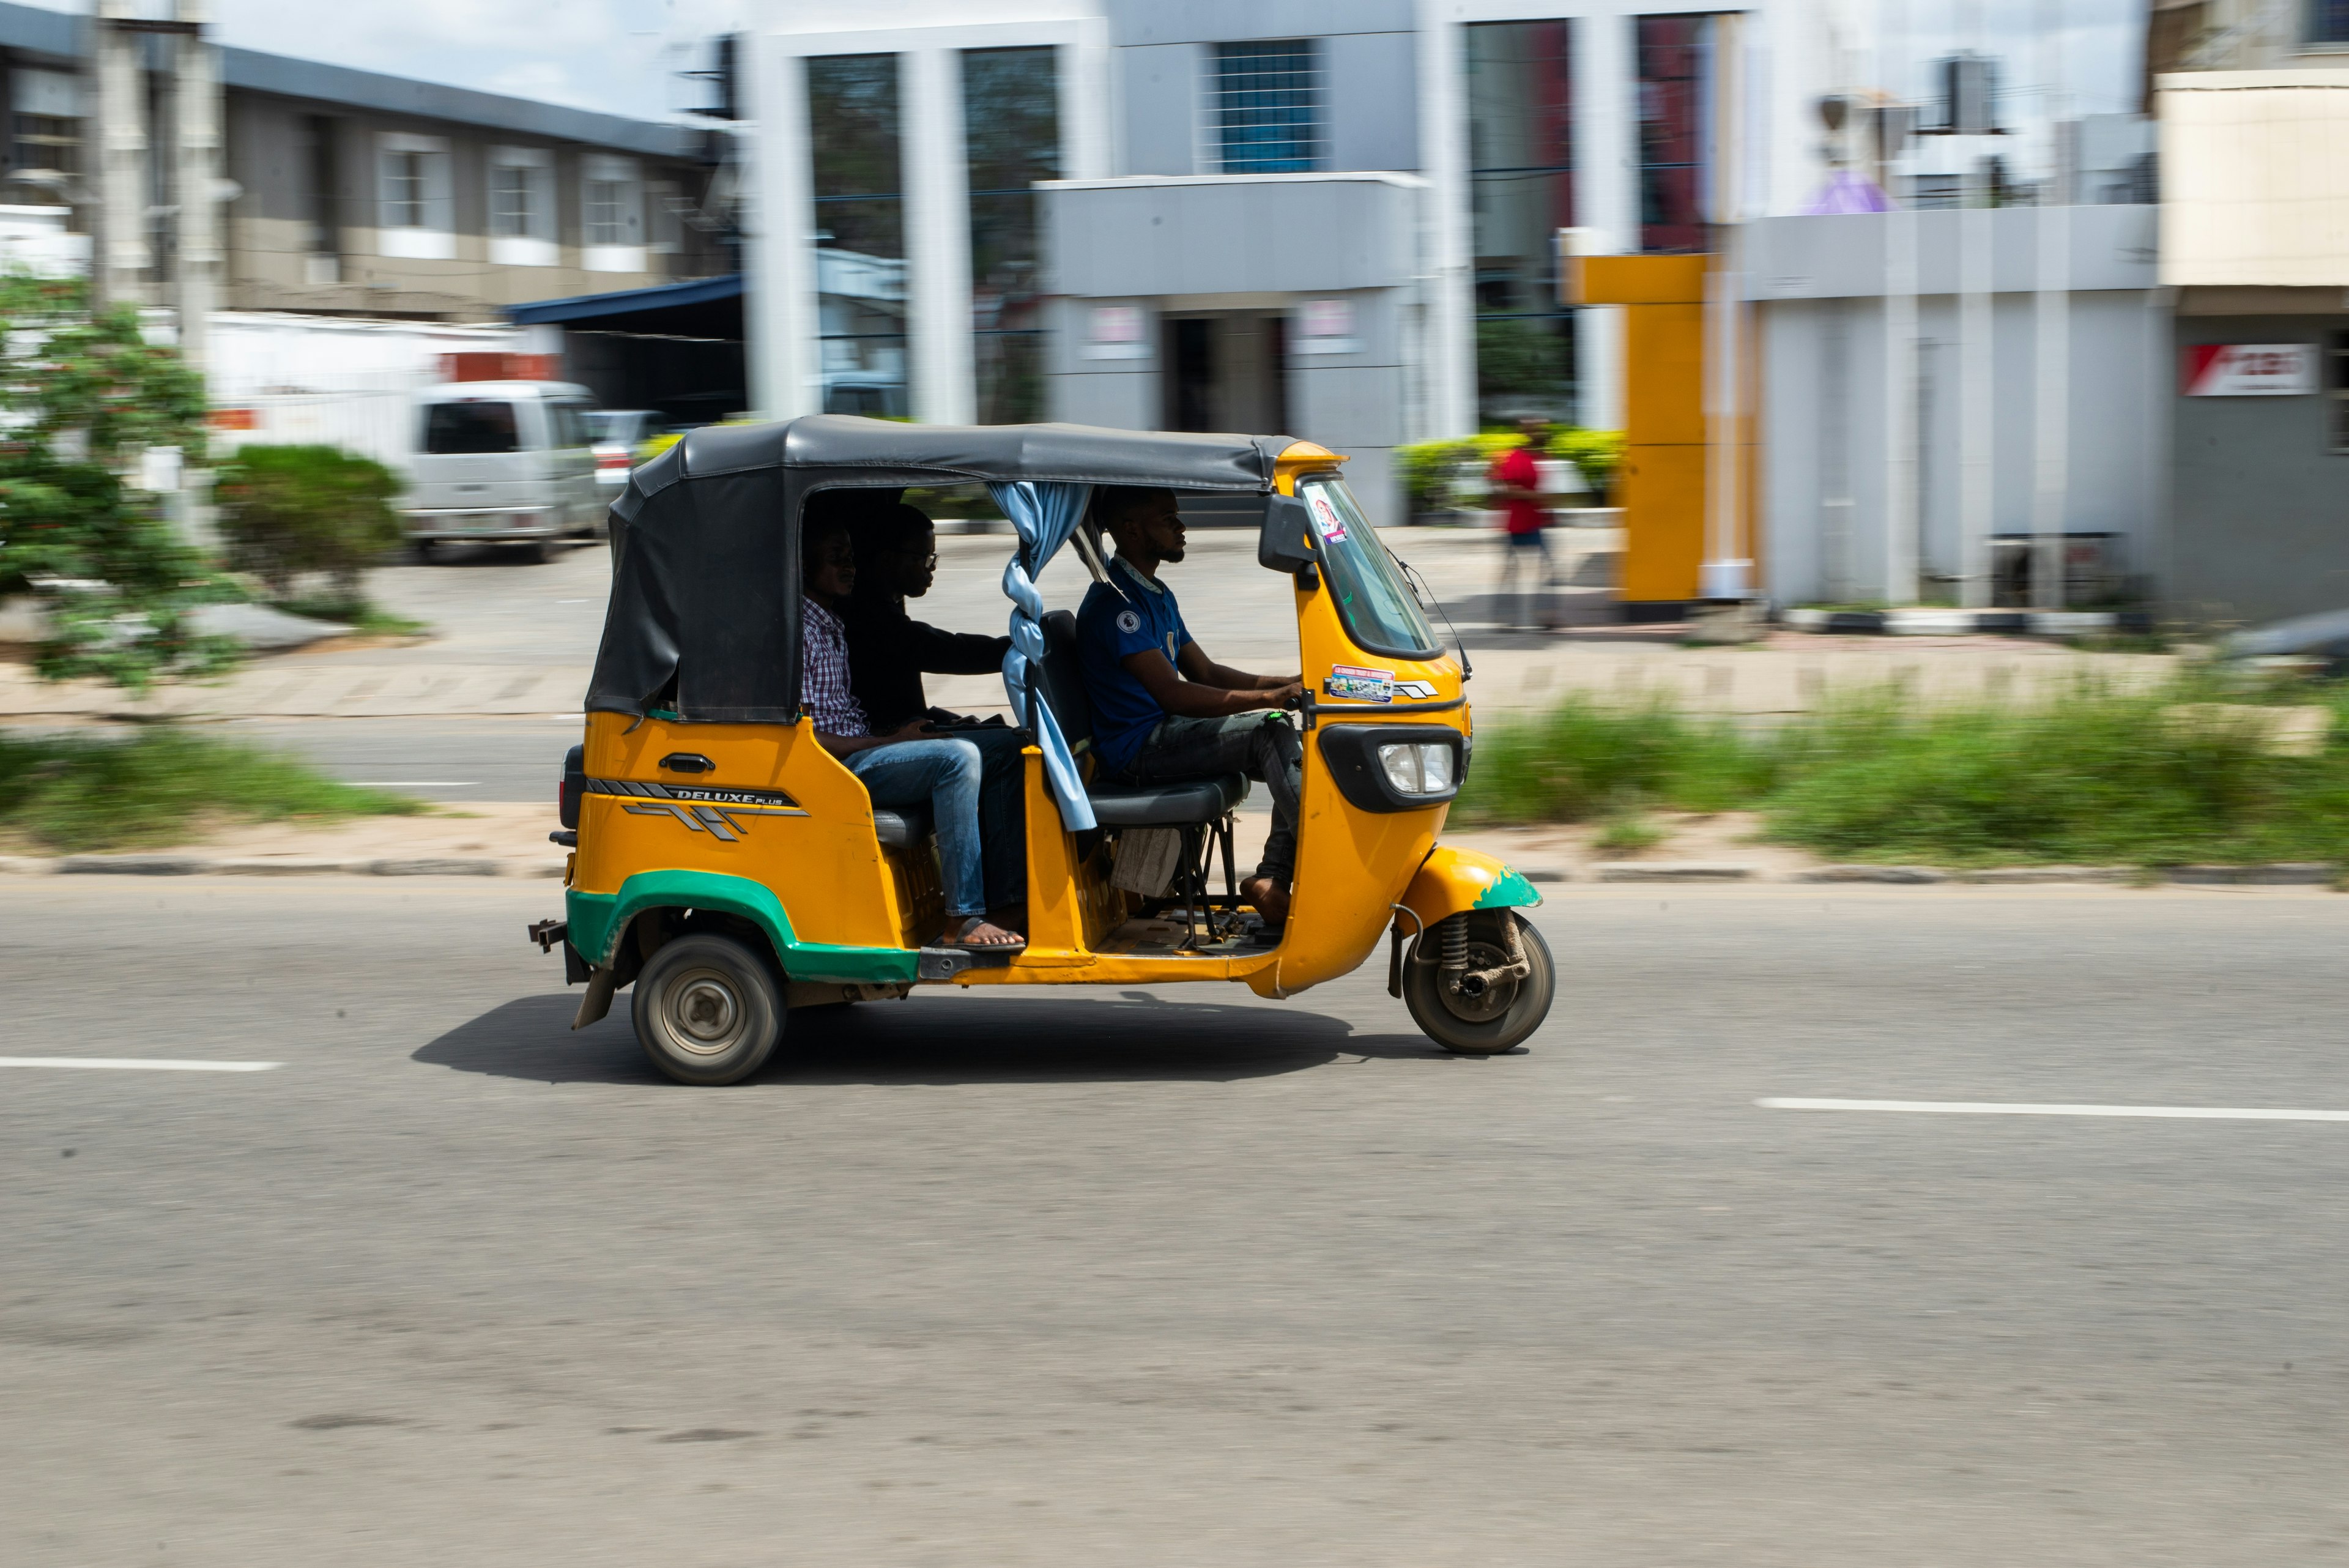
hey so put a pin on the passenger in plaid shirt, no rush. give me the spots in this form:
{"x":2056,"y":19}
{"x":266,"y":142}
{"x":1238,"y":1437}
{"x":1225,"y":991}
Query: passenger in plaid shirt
{"x":909,"y":766}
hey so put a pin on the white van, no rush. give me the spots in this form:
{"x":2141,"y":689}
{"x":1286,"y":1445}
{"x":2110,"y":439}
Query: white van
{"x":503,"y":462}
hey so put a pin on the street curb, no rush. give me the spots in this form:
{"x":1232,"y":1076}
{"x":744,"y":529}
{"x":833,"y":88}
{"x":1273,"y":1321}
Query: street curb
{"x":1905,"y":874}
{"x":263,"y":865}
{"x":1669,"y":871}
{"x":2025,"y":875}
{"x":2284,"y":874}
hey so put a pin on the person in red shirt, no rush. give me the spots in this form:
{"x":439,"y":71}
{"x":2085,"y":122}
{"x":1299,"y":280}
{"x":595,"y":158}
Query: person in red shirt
{"x":1515,"y":480}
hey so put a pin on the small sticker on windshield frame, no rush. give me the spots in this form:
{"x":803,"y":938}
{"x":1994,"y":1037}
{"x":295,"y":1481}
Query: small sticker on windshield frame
{"x":1326,"y":521}
{"x":1353,"y":683}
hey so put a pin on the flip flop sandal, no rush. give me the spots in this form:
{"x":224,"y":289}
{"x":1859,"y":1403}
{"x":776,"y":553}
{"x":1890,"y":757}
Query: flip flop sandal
{"x":958,"y":939}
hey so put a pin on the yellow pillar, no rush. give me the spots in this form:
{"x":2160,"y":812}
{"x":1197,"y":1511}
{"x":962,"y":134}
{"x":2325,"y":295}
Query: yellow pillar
{"x":1662,"y":484}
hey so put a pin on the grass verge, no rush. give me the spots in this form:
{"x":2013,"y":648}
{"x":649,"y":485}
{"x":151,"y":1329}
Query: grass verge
{"x":156,"y":786}
{"x":2091,"y":777}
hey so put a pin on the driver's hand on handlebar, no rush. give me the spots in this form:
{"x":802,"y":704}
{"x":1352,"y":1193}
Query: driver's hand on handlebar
{"x":1289,"y":696}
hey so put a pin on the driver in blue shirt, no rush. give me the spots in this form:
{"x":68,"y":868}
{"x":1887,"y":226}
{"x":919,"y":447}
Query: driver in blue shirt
{"x":1164,"y":710}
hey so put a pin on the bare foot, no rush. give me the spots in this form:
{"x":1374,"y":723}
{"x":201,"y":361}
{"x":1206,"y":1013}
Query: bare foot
{"x":979,"y":933}
{"x":1272,"y":901}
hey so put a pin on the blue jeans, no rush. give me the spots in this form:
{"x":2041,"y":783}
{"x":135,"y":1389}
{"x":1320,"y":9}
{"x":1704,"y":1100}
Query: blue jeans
{"x":945,"y":774}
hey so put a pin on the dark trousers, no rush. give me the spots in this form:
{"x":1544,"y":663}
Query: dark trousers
{"x":1002,"y":814}
{"x":1264,"y":746}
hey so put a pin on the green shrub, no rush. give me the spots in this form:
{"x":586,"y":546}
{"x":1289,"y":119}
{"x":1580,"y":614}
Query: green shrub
{"x":287,"y":511}
{"x":1598,"y":454}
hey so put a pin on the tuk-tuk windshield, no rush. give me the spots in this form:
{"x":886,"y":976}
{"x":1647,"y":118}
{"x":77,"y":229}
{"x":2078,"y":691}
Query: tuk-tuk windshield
{"x":1379,"y":611}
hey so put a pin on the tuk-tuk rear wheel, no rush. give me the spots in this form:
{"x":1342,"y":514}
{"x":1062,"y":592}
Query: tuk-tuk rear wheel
{"x":1500,"y":1017}
{"x":708,"y":1009}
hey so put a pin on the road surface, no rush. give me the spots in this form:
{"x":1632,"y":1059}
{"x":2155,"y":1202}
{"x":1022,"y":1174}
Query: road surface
{"x":1178,"y":1276}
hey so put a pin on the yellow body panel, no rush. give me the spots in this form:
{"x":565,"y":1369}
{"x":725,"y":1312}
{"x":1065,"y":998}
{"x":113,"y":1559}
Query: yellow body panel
{"x":1452,"y":882}
{"x":833,"y":878}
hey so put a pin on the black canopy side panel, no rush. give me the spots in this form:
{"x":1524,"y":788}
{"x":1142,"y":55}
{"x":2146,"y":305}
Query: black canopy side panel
{"x":701,"y":594}
{"x":639,"y":653}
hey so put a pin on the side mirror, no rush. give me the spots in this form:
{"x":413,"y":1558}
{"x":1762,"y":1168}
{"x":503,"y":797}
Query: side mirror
{"x":1285,"y":543}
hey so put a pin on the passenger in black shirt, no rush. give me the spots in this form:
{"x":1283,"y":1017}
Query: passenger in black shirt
{"x":896,"y":560}
{"x":888,"y":650}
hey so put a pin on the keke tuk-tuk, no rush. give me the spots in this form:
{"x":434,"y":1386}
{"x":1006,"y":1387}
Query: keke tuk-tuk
{"x":732,"y":868}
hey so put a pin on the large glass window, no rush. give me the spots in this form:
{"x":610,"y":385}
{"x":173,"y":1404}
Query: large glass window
{"x":1675,"y":61}
{"x":1264,"y":107}
{"x":2328,"y":21}
{"x":1011,"y":125}
{"x":1521,"y":181}
{"x":860,"y":233}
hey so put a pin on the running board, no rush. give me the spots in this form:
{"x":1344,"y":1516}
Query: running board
{"x":945,"y":963}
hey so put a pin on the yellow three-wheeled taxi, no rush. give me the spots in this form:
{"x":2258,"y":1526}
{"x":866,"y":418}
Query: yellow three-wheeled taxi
{"x":732,"y":868}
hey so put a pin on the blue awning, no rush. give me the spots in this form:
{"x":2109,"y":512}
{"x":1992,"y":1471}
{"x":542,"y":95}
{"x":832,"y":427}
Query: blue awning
{"x":629,"y":301}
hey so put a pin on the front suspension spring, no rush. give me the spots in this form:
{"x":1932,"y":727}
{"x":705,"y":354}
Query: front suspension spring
{"x":1456,"y":944}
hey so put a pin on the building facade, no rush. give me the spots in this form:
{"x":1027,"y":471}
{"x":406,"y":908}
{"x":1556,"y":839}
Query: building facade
{"x":360,"y":194}
{"x":2253,"y":227}
{"x":1339,"y":218}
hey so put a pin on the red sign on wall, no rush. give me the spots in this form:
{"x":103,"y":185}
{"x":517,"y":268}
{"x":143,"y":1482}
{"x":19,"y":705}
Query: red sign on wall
{"x":2249,"y":370}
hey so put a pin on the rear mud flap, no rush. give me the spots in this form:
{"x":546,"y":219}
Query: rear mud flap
{"x":602,"y":986}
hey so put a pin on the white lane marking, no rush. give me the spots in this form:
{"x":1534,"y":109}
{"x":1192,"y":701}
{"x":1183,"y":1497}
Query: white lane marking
{"x":414,"y":783}
{"x":137,"y":1063}
{"x":2002,"y":1108}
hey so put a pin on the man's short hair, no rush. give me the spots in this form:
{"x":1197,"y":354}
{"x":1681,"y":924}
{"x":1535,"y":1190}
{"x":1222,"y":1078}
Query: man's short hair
{"x":892,"y":526}
{"x":1111,"y":503}
{"x":815,"y":526}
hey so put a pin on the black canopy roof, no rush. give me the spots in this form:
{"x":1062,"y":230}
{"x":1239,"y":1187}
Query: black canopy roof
{"x":705,"y":542}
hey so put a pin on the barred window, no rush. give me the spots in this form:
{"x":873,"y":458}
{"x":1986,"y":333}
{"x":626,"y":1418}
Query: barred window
{"x":607,"y":212}
{"x":510,"y":213}
{"x":404,"y":189}
{"x":2328,"y":21}
{"x":1264,"y":107}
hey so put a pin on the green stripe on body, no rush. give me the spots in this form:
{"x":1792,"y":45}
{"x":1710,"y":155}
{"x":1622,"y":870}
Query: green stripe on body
{"x":598,"y":919}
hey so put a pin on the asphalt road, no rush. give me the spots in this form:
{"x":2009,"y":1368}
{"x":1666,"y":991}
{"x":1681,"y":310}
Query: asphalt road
{"x":1180,"y":1276}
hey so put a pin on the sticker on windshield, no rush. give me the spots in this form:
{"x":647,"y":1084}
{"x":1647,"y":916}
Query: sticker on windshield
{"x":1326,"y":521}
{"x":1352,"y":683}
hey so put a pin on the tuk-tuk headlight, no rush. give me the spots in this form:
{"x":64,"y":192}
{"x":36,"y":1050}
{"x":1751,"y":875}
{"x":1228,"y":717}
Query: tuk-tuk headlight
{"x":1425,"y":768}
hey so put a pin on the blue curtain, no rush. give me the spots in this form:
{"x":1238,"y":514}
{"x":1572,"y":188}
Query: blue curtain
{"x":1045,"y":515}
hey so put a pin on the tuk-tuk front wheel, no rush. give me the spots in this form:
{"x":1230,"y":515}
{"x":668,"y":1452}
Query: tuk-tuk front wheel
{"x":1469,"y":1008}
{"x":708,"y":1009}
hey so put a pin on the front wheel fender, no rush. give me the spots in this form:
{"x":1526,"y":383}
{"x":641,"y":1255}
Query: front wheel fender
{"x":1454,"y":882}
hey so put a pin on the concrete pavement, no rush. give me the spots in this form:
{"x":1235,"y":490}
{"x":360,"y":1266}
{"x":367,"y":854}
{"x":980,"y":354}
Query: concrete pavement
{"x":1177,"y":1275}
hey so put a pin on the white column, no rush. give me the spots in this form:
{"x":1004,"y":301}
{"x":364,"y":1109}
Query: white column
{"x":778,"y":271}
{"x":1977,"y":438}
{"x":1900,"y":433}
{"x":197,"y":259}
{"x":1451,"y":342}
{"x":937,"y":172}
{"x":1087,"y":144}
{"x":2052,"y":335}
{"x":123,"y":256}
{"x":1605,"y":59}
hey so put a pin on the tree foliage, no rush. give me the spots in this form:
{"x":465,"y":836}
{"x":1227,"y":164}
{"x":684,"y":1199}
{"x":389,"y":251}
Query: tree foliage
{"x":82,"y":394}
